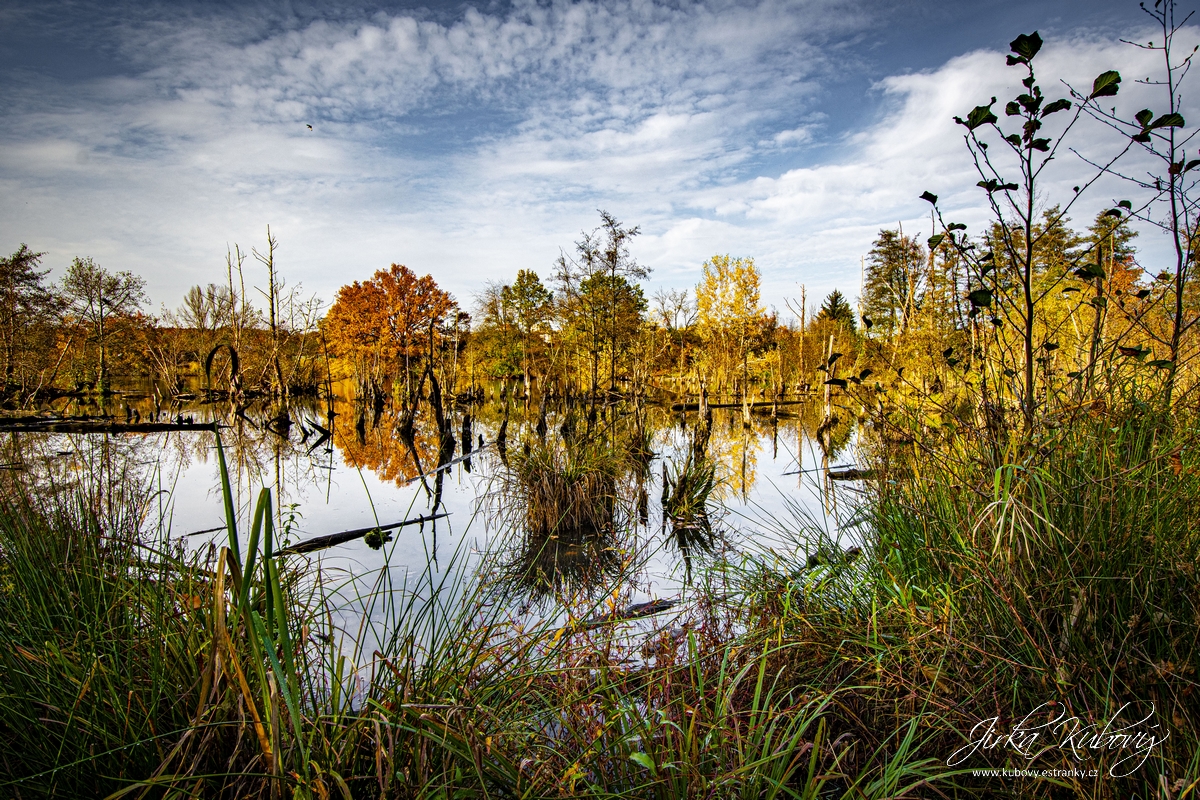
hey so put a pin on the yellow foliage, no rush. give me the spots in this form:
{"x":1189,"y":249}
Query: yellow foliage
{"x":728,"y":311}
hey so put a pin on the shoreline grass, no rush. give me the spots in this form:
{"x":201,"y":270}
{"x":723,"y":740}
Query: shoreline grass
{"x":1067,"y":576}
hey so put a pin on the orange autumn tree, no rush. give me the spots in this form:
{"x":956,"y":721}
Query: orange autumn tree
{"x":383,"y":327}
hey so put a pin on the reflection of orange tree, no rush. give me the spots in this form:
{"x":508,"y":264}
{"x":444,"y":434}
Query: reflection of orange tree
{"x":380,"y":448}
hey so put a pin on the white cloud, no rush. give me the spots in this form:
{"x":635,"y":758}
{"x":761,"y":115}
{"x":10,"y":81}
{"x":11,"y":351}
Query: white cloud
{"x":812,"y":225}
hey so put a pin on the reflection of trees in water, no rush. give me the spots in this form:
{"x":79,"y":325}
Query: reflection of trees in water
{"x":262,"y":452}
{"x":588,"y":471}
{"x":265,"y":445}
{"x":371,"y":439}
{"x":367,"y":436}
{"x":733,"y":450}
{"x":105,"y":467}
{"x":401,"y":447}
{"x":119,"y":476}
{"x":833,"y":436}
{"x":577,"y":485}
{"x":568,"y":565}
{"x":541,"y":486}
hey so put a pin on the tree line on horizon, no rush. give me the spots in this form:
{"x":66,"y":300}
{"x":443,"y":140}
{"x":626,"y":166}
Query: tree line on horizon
{"x":588,"y":330}
{"x":1026,"y":316}
{"x":88,"y":332}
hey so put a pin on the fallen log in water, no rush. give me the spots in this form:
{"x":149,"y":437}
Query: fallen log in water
{"x":639,"y":610}
{"x":95,"y":425}
{"x":208,"y":530}
{"x":851,"y":474}
{"x":635,"y":611}
{"x":321,"y":542}
{"x":35,"y":419}
{"x":753,"y":406}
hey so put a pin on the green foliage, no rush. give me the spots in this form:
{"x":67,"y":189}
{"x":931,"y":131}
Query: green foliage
{"x":568,"y":517}
{"x":687,"y":492}
{"x":514,"y":321}
{"x":895,"y":283}
{"x":104,"y":304}
{"x":1014,"y":270}
{"x":97,"y":674}
{"x":601,"y":304}
{"x":835,"y":309}
{"x":1106,"y":84}
{"x":28,"y":313}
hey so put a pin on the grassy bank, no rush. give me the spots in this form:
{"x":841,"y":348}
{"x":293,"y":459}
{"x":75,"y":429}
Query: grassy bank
{"x":1061,"y":586}
{"x":1067,"y":576}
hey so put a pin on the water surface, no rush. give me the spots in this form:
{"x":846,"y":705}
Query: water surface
{"x":365,"y":474}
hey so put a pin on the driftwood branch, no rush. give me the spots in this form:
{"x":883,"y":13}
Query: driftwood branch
{"x":322,"y":542}
{"x":758,"y":404}
{"x":447,"y":465}
{"x":817,"y":469}
{"x":851,"y":474}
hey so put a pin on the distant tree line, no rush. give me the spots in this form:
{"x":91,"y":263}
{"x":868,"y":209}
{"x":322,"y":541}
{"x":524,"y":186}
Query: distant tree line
{"x":591,"y":331}
{"x":921,"y":324}
{"x":77,"y":335}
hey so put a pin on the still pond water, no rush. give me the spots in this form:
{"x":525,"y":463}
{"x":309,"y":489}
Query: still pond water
{"x":362,"y":475}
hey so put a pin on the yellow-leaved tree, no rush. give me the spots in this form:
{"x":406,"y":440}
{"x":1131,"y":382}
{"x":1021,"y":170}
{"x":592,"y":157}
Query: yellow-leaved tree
{"x":729,"y":315}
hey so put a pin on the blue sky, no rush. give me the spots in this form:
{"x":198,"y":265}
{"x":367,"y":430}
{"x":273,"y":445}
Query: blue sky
{"x":470,"y":140}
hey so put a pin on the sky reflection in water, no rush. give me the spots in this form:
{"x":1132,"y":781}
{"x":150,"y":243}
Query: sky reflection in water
{"x":366,"y":476}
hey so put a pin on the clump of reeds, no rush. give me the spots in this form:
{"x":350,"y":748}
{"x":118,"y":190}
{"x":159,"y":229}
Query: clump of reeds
{"x":566,"y":489}
{"x":686,"y":491}
{"x":98,"y":675}
{"x":561,"y":508}
{"x":129,"y":665}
